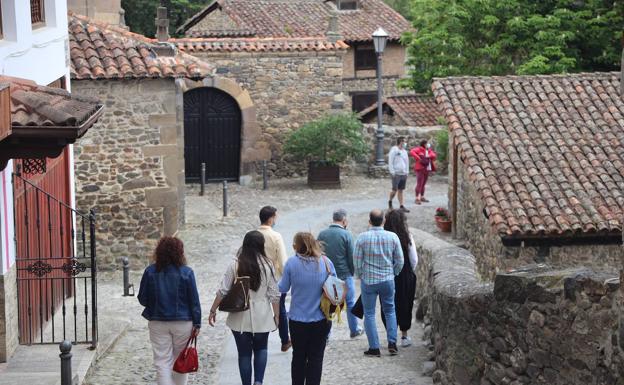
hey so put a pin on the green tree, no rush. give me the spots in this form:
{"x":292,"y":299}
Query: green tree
{"x":401,"y":6}
{"x":140,"y":14}
{"x":500,"y":37}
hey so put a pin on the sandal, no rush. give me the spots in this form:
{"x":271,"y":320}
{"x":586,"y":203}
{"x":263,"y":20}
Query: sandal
{"x":418,"y":201}
{"x":424,"y":200}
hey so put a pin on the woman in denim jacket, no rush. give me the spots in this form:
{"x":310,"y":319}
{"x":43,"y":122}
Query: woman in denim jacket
{"x":169,"y":294}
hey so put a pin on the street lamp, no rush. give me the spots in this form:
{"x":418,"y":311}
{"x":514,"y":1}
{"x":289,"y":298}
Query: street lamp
{"x":380,"y":38}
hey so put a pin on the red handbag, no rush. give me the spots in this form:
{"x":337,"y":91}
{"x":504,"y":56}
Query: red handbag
{"x":187,"y":361}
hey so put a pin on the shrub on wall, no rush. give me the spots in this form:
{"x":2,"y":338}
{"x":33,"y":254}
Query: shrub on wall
{"x":331,"y":140}
{"x":442,"y":140}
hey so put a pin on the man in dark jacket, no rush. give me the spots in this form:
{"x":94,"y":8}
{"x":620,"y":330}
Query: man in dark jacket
{"x":338,"y":245}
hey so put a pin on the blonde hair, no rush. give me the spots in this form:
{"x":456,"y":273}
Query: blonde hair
{"x":306,"y":245}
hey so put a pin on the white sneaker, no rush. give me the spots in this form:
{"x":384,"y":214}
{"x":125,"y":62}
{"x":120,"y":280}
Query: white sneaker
{"x":405,"y":342}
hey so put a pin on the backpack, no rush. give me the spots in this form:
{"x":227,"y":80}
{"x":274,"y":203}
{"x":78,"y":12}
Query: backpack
{"x":333,"y":295}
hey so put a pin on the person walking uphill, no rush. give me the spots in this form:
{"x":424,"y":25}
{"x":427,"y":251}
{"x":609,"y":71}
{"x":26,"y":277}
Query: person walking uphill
{"x":338,"y":246}
{"x":405,"y":282}
{"x":398,"y":165}
{"x":377,"y":259}
{"x":304,"y":275}
{"x":251,"y":327}
{"x":424,"y":157}
{"x":169,"y":294}
{"x":276,"y":252}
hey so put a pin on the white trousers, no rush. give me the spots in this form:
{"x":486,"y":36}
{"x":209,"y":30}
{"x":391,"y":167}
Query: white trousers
{"x":168,"y":340}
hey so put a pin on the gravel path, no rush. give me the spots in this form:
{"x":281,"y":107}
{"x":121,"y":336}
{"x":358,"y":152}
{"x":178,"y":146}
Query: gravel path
{"x":211,"y":240}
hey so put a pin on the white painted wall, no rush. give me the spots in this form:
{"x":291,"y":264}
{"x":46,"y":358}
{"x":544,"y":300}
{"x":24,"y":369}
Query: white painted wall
{"x":41,"y":55}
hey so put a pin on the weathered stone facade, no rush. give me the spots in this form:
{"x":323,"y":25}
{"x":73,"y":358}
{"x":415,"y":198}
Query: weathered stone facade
{"x":288,"y":90}
{"x":473,"y":227}
{"x":9,"y":329}
{"x":538,"y":326}
{"x":130,"y":166}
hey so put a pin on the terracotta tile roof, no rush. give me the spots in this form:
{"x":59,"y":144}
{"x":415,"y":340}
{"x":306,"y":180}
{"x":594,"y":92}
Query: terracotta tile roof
{"x":546,"y":153}
{"x":306,"y":18}
{"x":38,"y":106}
{"x":414,"y":110}
{"x":221,"y":33}
{"x":257,"y":44}
{"x":102,"y":51}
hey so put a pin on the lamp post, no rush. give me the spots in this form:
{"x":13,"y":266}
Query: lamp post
{"x":380,"y":38}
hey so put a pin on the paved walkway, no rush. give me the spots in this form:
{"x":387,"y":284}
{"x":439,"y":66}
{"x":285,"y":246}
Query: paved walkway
{"x":211,"y":241}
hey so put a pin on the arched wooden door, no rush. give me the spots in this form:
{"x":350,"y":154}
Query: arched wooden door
{"x":212,"y":135}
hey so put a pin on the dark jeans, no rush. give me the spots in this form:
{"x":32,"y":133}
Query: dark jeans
{"x":283,"y":320}
{"x":308,"y":342}
{"x":246,"y":344}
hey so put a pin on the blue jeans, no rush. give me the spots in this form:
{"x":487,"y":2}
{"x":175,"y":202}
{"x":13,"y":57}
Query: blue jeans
{"x":283,"y":320}
{"x":352,"y":320}
{"x":385,"y":291}
{"x":248,"y":344}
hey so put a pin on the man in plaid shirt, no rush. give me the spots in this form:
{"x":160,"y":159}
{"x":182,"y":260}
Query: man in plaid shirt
{"x":377,"y":259}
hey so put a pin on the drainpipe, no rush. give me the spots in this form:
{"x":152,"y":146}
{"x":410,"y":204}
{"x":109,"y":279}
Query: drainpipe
{"x":454,"y":184}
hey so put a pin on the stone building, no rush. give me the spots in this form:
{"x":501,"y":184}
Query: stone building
{"x":130,"y":166}
{"x":108,"y":11}
{"x":536,"y":168}
{"x":226,"y":22}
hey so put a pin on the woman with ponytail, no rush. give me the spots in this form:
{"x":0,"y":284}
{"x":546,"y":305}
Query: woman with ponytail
{"x":251,"y":327}
{"x":304,"y":275}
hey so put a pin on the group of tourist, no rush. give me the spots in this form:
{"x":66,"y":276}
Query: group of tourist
{"x":398,"y":165}
{"x":383,"y":258}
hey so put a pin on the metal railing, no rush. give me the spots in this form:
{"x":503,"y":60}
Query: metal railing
{"x":56,"y":268}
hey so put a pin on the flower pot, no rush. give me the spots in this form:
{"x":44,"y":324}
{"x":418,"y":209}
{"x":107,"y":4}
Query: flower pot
{"x":321,"y":175}
{"x":444,"y":225}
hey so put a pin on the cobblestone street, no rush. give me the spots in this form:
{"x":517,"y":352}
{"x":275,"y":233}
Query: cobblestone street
{"x":211,"y":241}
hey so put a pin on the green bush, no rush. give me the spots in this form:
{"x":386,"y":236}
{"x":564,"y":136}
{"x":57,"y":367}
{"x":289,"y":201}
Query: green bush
{"x":442,"y":140}
{"x":331,"y":139}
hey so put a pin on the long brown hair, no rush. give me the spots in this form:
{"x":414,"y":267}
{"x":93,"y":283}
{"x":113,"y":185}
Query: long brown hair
{"x":396,"y":222}
{"x":306,"y":245}
{"x":249,"y":257}
{"x":169,"y":251}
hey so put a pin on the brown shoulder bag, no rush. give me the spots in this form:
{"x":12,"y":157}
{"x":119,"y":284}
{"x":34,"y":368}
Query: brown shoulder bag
{"x":237,"y":299}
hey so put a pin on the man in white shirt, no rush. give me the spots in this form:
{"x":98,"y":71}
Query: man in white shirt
{"x":276,"y":251}
{"x":398,"y":164}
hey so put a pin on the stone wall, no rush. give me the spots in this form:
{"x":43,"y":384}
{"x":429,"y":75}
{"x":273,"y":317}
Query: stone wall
{"x":533,"y":326}
{"x":474,"y":228}
{"x":9,"y":329}
{"x":288,"y":89}
{"x":130,"y":166}
{"x":369,"y":84}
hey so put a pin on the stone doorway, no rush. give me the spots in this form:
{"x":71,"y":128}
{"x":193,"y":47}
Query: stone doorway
{"x":212,"y":135}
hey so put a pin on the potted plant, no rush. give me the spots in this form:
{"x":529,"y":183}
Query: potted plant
{"x":325,"y":144}
{"x":443,"y":220}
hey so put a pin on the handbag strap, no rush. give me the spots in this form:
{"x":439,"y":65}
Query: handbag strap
{"x":326,"y":265}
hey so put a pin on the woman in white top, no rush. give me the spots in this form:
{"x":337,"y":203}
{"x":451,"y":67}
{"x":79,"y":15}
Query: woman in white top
{"x":405,"y":282}
{"x":251,"y":327}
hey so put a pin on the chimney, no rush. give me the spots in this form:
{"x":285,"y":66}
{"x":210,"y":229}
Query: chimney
{"x":122,"y":17}
{"x":162,"y":24}
{"x":163,"y":47}
{"x":333,"y":30}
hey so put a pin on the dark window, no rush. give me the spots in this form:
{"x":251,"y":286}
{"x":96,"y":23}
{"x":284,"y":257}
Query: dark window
{"x":36,"y":12}
{"x":363,"y":100}
{"x":365,"y":58}
{"x":347,"y":5}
